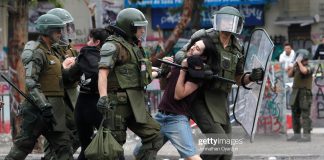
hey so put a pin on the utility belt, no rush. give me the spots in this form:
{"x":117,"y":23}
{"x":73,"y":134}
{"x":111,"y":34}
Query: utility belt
{"x":166,"y":112}
{"x":88,"y":92}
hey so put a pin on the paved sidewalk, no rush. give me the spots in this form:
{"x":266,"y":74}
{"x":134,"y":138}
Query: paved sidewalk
{"x":264,"y":147}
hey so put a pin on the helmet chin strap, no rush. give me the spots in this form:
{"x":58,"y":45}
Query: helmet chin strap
{"x":53,"y":40}
{"x":62,"y":43}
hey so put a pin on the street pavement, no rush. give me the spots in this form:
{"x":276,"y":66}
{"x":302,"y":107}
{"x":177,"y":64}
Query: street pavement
{"x":264,"y":147}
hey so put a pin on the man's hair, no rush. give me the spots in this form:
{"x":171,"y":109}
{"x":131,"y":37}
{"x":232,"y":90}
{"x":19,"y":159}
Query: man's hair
{"x":99,"y":34}
{"x":208,"y":42}
{"x":287,"y":44}
{"x":210,"y":52}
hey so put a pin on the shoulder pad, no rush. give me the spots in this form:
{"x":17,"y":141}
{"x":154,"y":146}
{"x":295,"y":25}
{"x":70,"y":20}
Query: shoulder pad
{"x":213,"y":35}
{"x":199,"y":33}
{"x":31,"y":45}
{"x":108,"y":49}
{"x":27,"y":54}
{"x":181,"y":55}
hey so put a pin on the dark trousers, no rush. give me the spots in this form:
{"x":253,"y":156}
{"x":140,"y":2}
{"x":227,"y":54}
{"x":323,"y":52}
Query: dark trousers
{"x":87,"y":117}
{"x":201,"y":115}
{"x":302,"y":109}
{"x":33,"y":126}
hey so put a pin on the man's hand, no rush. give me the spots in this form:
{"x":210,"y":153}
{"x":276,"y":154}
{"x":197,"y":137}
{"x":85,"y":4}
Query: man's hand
{"x":170,"y":59}
{"x":48,"y":117}
{"x":156,"y":72}
{"x":103,"y":104}
{"x":299,"y":58}
{"x":257,"y":74}
{"x":184,"y":63}
{"x":68,"y":62}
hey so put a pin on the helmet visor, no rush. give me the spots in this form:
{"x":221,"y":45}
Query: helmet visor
{"x":55,"y":34}
{"x":68,"y":32}
{"x":141,"y":32}
{"x":228,"y":23}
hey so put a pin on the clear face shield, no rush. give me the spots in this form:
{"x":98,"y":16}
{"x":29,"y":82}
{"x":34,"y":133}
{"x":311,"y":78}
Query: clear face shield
{"x":55,"y":34}
{"x":228,"y":23}
{"x":141,"y":31}
{"x":68,"y":33}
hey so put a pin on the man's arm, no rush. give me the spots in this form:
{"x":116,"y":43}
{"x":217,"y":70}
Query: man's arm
{"x":103,"y":82}
{"x":107,"y":61}
{"x":303,"y":69}
{"x":290,"y":71}
{"x":34,"y":62}
{"x":183,"y":89}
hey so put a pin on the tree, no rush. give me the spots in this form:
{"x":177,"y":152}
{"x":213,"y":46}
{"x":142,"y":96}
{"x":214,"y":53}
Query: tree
{"x":18,"y":15}
{"x":177,"y":32}
{"x":18,"y":34}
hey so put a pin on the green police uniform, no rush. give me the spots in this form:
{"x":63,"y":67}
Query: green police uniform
{"x":70,"y":88}
{"x":46,"y":73}
{"x":125,"y":91}
{"x":209,"y":109}
{"x":129,"y":72}
{"x":301,"y":100}
{"x":44,"y":84}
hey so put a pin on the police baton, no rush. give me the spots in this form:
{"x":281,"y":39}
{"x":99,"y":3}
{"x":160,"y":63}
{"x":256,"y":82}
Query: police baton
{"x":17,"y":89}
{"x":212,"y":76}
{"x":171,"y":64}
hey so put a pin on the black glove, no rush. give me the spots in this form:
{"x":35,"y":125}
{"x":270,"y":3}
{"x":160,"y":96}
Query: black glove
{"x":103,"y":104}
{"x":47,"y":114}
{"x":257,"y":74}
{"x":209,"y":74}
{"x":165,"y":69}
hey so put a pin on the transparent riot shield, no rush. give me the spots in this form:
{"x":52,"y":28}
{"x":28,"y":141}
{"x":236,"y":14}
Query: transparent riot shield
{"x":248,"y":101}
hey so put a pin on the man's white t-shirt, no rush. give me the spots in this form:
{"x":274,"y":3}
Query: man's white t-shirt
{"x":287,"y":59}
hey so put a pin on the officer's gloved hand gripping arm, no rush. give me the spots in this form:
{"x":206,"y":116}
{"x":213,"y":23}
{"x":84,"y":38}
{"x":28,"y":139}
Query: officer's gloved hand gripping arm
{"x":33,"y":62}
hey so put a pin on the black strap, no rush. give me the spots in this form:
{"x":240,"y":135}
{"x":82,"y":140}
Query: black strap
{"x":242,"y":81}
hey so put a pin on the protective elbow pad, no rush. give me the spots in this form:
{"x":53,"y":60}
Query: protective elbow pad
{"x":39,"y":98}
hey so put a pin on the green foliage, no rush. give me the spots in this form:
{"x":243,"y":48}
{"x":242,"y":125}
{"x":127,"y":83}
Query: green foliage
{"x":57,"y":3}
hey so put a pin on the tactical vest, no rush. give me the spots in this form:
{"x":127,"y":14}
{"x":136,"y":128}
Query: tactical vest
{"x":128,"y":75}
{"x":302,"y":81}
{"x":65,"y":52}
{"x":50,"y":78}
{"x":229,"y":60}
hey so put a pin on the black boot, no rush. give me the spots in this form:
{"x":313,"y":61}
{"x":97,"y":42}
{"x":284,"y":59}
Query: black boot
{"x":306,"y":138}
{"x":295,"y":137}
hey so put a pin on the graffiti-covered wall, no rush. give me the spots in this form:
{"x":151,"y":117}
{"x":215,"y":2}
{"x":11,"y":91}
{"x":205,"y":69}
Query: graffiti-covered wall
{"x":275,"y":113}
{"x":272,"y":116}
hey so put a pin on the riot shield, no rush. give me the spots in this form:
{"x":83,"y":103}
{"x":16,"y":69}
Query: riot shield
{"x":248,"y":101}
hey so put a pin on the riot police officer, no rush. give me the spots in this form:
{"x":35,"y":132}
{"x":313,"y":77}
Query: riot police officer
{"x":209,"y":109}
{"x":45,"y":114}
{"x":123,"y":73}
{"x":64,"y":48}
{"x":301,"y":96}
